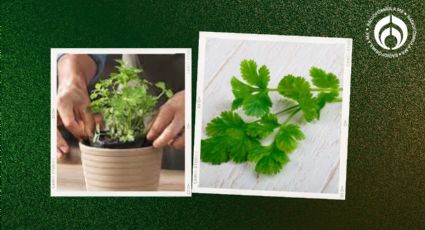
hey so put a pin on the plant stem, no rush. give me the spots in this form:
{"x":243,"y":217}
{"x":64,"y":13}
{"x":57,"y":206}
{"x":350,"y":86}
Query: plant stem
{"x":129,"y":119}
{"x":272,"y":89}
{"x":280,"y":112}
{"x":287,"y":109}
{"x":291,"y":115}
{"x":160,"y":95}
{"x":147,"y":82}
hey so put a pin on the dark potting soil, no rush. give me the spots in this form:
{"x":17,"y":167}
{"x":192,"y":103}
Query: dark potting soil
{"x":105,"y":142}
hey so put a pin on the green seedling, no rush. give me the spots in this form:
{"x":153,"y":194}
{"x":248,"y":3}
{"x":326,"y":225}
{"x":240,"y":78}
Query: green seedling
{"x":124,"y":101}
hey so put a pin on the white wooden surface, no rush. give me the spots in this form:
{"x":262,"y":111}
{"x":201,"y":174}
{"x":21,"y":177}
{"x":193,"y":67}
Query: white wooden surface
{"x":314,"y":166}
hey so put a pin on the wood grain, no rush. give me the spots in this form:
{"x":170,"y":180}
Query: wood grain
{"x":314,"y":166}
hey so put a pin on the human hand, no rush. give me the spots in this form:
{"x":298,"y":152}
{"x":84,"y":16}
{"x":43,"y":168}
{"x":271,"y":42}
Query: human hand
{"x":61,"y":146}
{"x":74,"y":72}
{"x":168,"y":126}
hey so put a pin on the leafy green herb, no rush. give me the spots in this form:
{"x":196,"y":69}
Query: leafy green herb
{"x":288,"y":136}
{"x":228,"y":139}
{"x":324,"y":80}
{"x":271,"y":161}
{"x":263,"y":127}
{"x":124,"y":101}
{"x":233,"y":139}
{"x":253,"y":97}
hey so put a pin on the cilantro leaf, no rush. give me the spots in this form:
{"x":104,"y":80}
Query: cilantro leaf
{"x":264,"y":77}
{"x":293,"y":87}
{"x":214,"y":150}
{"x":240,"y":89}
{"x":240,"y":146}
{"x":253,"y":97}
{"x":169,"y":93}
{"x":288,"y":136}
{"x":237,"y":103}
{"x":249,"y":74}
{"x":263,"y":127}
{"x":228,"y":140}
{"x":160,"y":85}
{"x":220,"y":149}
{"x":227,"y":120}
{"x":298,"y":89}
{"x":249,"y":71}
{"x":310,"y":108}
{"x":326,"y":97}
{"x":321,"y":79}
{"x":271,"y":160}
{"x":257,"y":104}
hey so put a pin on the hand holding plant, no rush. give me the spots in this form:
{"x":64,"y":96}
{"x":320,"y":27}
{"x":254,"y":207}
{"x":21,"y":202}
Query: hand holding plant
{"x":74,"y":72}
{"x":125,"y":104}
{"x":168,"y":126}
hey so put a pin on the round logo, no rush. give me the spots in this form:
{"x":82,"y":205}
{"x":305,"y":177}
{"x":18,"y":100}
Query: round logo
{"x":390,"y":32}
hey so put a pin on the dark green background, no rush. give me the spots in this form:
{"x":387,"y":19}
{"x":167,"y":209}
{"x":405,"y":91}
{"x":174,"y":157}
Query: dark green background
{"x":386,"y":156}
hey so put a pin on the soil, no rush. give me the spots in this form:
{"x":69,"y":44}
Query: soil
{"x":106,"y":142}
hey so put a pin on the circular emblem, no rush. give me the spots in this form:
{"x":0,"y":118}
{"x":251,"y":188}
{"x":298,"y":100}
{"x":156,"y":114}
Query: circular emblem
{"x":390,"y":32}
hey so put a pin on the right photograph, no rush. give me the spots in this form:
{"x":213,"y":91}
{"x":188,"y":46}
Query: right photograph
{"x":272,"y":115}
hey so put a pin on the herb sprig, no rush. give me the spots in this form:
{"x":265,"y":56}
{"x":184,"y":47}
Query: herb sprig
{"x":124,"y":101}
{"x":233,"y":139}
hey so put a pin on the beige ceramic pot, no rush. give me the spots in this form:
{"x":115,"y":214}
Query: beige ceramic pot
{"x":136,"y":169}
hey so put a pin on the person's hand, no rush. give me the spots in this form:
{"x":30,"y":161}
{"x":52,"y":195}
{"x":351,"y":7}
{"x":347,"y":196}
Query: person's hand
{"x":168,"y":126}
{"x":74,"y":72}
{"x":61,"y":147}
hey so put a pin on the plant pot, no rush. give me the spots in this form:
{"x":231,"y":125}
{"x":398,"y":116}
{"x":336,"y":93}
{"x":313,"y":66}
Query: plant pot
{"x":134,"y":169}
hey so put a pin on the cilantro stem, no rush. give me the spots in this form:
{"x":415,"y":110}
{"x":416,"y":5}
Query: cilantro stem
{"x":160,"y":95}
{"x":291,"y":115}
{"x":280,"y":112}
{"x":287,"y":109}
{"x":147,"y":82}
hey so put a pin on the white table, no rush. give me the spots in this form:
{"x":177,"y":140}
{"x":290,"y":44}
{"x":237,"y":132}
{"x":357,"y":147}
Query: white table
{"x":314,"y":166}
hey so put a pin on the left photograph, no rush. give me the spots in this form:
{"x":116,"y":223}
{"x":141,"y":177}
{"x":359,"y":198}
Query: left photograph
{"x":120,"y":122}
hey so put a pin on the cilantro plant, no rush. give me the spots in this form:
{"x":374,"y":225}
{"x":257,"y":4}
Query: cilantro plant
{"x":231,"y":138}
{"x":124,"y":101}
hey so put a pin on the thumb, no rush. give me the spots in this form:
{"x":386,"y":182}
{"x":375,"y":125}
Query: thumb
{"x":88,"y":120}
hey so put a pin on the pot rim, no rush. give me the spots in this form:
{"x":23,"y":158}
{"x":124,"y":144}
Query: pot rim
{"x":82,"y":145}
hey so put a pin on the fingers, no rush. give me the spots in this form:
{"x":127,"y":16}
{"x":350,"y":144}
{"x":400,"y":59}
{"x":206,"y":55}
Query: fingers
{"x":89,"y":122}
{"x":164,"y":117}
{"x":62,"y":146}
{"x":178,"y":143}
{"x":72,"y":103}
{"x":69,"y":120}
{"x":98,"y":119}
{"x":169,"y":123}
{"x":169,"y":133}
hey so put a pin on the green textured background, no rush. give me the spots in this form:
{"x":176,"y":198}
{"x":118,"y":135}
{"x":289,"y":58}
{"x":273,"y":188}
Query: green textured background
{"x":386,"y":157}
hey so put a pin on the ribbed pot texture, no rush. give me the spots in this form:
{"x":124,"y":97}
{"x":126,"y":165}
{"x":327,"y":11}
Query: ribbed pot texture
{"x":135,"y":169}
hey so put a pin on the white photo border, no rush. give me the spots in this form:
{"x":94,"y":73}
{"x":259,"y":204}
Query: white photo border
{"x":203,"y":36}
{"x":54,"y":52}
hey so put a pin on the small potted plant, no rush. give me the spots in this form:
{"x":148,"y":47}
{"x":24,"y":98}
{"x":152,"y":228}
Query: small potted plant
{"x":119,"y":157}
